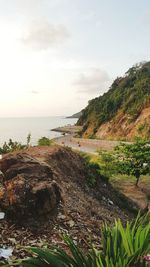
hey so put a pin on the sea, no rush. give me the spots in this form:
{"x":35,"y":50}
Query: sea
{"x":18,"y":128}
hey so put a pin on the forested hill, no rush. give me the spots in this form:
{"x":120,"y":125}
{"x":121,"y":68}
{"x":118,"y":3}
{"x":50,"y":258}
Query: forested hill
{"x":124,"y":111}
{"x":76,"y":115}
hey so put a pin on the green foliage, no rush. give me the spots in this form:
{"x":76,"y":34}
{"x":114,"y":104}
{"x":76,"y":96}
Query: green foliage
{"x":93,"y":170}
{"x":144,"y":129}
{"x":121,"y":246}
{"x":125,"y":246}
{"x":11,"y":146}
{"x":108,"y":168}
{"x":57,"y":257}
{"x":128,"y":94}
{"x":44,"y":141}
{"x":129,"y":159}
{"x":133,"y":159}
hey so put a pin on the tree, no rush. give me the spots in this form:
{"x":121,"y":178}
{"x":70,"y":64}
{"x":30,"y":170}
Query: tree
{"x":28,"y":139}
{"x":133,"y":159}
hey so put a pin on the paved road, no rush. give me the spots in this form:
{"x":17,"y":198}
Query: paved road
{"x":86,"y":145}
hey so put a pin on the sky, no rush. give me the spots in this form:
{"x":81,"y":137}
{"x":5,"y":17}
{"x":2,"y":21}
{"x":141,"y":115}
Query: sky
{"x":56,"y":55}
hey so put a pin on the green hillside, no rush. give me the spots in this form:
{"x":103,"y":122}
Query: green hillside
{"x":127,"y":96}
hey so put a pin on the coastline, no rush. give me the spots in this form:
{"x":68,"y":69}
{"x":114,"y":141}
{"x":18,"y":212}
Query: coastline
{"x":86,"y":145}
{"x":68,"y":129}
{"x":18,"y":128}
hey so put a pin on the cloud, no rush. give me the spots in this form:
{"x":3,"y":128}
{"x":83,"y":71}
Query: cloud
{"x":34,"y":92}
{"x":28,"y":3}
{"x":88,"y":16}
{"x":35,"y":7}
{"x":93,"y":81}
{"x":42,"y":35}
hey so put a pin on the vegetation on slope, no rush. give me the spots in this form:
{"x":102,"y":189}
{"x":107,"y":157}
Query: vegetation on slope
{"x":76,"y":115}
{"x":129,"y":95}
{"x":129,"y":159}
{"x":12,"y":146}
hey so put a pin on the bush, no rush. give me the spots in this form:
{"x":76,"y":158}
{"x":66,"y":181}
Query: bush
{"x":108,"y":164}
{"x":125,"y":246}
{"x":11,"y":146}
{"x":44,"y":141}
{"x":93,"y":170}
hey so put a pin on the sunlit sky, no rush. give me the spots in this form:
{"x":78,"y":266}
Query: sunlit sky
{"x":55,"y":55}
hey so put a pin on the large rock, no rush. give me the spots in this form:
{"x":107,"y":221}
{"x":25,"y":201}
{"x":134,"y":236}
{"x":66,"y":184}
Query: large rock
{"x":28,"y":192}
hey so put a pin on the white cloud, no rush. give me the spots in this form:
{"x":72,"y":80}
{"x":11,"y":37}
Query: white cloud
{"x":34,"y":92}
{"x":93,"y":81}
{"x":30,"y":7}
{"x":42,"y":35}
{"x":28,"y":3}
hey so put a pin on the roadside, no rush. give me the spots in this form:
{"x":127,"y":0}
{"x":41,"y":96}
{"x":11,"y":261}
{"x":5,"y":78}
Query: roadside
{"x":81,"y":144}
{"x":85,"y":145}
{"x":125,"y":184}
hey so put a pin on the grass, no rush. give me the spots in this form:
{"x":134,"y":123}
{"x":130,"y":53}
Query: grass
{"x":126,"y":184}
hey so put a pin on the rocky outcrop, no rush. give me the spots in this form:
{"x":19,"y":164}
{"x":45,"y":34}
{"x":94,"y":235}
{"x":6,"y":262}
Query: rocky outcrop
{"x":127,"y":131}
{"x":29,"y":192}
{"x":48,"y":181}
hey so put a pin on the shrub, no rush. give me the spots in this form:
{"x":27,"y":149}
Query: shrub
{"x":11,"y":146}
{"x":108,"y":166}
{"x":44,"y":141}
{"x":93,"y":171}
{"x":125,"y":246}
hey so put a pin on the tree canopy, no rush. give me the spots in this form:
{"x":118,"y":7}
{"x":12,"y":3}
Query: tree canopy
{"x":133,"y":159}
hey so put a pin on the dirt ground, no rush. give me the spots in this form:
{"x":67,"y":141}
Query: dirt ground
{"x":81,"y":213}
{"x":140,"y":194}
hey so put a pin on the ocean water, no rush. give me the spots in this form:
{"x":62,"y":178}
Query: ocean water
{"x":18,"y":128}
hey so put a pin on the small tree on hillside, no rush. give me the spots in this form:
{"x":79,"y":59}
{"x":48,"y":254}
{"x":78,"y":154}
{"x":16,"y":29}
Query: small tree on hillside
{"x":133,"y":159}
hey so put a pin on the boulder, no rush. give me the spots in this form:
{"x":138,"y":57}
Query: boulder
{"x":28,"y":191}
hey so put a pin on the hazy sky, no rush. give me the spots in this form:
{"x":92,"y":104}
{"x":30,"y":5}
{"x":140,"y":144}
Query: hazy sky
{"x":55,"y":55}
